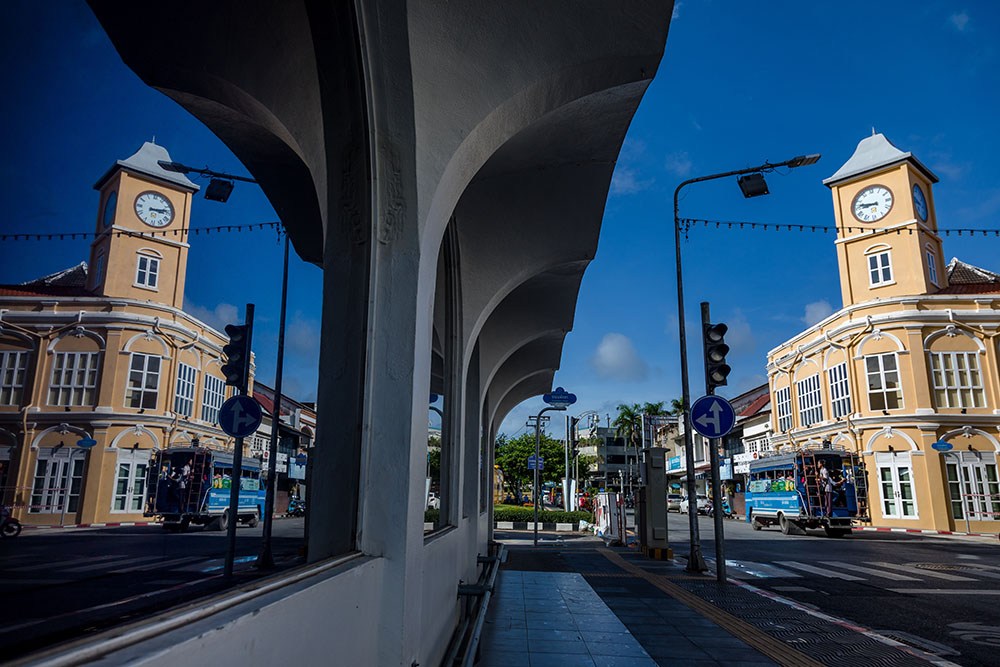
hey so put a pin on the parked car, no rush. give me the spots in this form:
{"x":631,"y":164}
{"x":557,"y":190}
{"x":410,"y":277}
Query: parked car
{"x":674,"y":502}
{"x":701,"y":504}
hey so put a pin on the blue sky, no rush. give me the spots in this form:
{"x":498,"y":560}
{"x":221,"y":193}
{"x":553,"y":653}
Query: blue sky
{"x":740,"y":83}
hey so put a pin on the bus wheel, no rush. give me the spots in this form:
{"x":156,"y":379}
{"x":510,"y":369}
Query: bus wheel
{"x":254,"y":520}
{"x":221,"y":522}
{"x":755,"y":524}
{"x":789,"y":527}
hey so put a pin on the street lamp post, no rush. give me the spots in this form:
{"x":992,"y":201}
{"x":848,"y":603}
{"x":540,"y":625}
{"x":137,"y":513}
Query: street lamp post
{"x":538,"y":444}
{"x":751,"y":187}
{"x":219,"y":189}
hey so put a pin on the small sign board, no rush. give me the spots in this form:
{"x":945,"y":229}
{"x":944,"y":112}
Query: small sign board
{"x":240,"y":416}
{"x":712,"y":416}
{"x":85,"y":443}
{"x":942,"y":446}
{"x":532,"y":463}
{"x":559,"y":398}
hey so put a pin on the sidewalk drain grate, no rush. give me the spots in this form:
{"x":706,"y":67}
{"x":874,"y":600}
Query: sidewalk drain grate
{"x":947,"y":567}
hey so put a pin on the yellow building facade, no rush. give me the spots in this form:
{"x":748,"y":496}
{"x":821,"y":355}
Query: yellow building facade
{"x":100,"y":365}
{"x":906,"y":373}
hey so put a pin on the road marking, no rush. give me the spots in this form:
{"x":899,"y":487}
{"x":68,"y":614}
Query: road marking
{"x":157,"y":565}
{"x":868,"y":570}
{"x":745,"y":568}
{"x":917,"y":570}
{"x":49,"y":565}
{"x":126,"y":561}
{"x":821,"y":572}
{"x":946,"y":591}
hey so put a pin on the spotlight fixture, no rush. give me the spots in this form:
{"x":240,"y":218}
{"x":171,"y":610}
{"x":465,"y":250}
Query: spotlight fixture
{"x":218,"y":190}
{"x":753,"y":185}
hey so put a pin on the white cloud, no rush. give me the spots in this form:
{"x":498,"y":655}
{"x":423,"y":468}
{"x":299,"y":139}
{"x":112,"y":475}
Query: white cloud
{"x":217,"y":318}
{"x":302,"y":338}
{"x":617,"y":359}
{"x":676,"y":14}
{"x":678,"y":164}
{"x":817,"y":311}
{"x":960,"y":20}
{"x":626,"y":181}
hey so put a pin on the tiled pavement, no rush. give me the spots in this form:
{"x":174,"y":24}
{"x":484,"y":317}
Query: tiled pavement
{"x":582,"y":604}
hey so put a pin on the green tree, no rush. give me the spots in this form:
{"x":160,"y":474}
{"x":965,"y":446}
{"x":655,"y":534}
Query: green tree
{"x":628,"y":423}
{"x":676,"y":407}
{"x":512,"y":459}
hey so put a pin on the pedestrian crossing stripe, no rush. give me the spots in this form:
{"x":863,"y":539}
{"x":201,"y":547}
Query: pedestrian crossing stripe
{"x":749,"y":570}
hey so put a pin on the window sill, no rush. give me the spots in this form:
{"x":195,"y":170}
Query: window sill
{"x":146,"y":287}
{"x":885,"y":284}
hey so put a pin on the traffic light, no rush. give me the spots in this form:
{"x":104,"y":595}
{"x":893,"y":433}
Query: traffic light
{"x":237,"y":353}
{"x":716,"y":368}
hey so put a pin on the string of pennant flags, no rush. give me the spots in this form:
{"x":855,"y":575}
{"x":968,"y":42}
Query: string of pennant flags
{"x":688,"y":223}
{"x":196,"y":231}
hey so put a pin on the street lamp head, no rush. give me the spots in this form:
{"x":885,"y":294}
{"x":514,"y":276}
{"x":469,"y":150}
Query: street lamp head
{"x":176,"y":167}
{"x":753,"y":185}
{"x":803,"y":160}
{"x":218,"y":190}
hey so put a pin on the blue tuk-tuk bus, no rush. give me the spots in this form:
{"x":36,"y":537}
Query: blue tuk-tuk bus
{"x":786,"y":490}
{"x":188,"y":485}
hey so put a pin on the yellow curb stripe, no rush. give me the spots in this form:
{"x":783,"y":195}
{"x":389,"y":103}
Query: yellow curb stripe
{"x":773,"y":648}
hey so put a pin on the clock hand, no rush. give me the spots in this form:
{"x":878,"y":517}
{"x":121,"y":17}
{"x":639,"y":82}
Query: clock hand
{"x":159,"y":210}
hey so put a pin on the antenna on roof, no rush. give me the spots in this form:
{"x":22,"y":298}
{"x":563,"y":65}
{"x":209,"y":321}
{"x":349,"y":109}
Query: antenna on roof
{"x":873,"y":133}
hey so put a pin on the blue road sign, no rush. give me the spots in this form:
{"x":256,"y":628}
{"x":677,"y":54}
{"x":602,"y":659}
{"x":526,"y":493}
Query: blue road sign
{"x":532,"y":461}
{"x":240,"y":416}
{"x":942,"y":446}
{"x":86,"y":443}
{"x":559,"y":397}
{"x":712,"y":416}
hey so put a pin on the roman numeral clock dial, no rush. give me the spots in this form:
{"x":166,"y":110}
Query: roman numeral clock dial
{"x":872,"y":204}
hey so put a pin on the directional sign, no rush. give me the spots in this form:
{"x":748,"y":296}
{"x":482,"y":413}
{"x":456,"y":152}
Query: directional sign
{"x":559,"y":398}
{"x":712,"y":416}
{"x":532,"y":461}
{"x":86,"y":443}
{"x":240,"y":416}
{"x":942,"y":446}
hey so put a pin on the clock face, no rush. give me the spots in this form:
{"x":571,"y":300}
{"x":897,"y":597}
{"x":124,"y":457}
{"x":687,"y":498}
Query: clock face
{"x":872,"y":203}
{"x":109,"y":209}
{"x":154,"y":209}
{"x":920,"y":202}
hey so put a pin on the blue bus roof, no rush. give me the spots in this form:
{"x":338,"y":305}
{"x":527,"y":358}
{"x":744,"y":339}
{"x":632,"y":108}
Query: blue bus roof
{"x":218,"y":457}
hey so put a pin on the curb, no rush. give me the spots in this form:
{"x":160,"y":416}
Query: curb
{"x":922,"y":531}
{"x":527,"y":525}
{"x":110,"y":524}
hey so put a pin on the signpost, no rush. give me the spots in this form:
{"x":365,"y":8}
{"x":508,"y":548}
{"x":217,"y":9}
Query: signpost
{"x":942,"y":446}
{"x":534,"y":463}
{"x":560,"y":399}
{"x":85,"y":443}
{"x":240,"y":416}
{"x":712,"y":416}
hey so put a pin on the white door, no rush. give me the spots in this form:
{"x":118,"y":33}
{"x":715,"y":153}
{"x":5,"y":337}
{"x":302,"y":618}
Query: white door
{"x":58,"y":480}
{"x":130,"y":480}
{"x":895,"y":483}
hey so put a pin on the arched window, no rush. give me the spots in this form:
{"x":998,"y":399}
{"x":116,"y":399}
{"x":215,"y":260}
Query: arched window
{"x":147,"y":269}
{"x":879,"y":265}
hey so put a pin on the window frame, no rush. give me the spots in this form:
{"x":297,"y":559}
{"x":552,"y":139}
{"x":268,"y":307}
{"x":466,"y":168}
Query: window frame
{"x":13,"y":373}
{"x":72,"y":394}
{"x":218,"y":396}
{"x":839,"y":383}
{"x":783,"y":408}
{"x":880,"y":269}
{"x":190,"y":384}
{"x":152,"y":269}
{"x":133,"y":495}
{"x":932,"y":273}
{"x":881,"y":373}
{"x":971,"y":487}
{"x":960,"y":392}
{"x":894,"y":462}
{"x":50,"y":498}
{"x":809,"y":396}
{"x":143,"y":390}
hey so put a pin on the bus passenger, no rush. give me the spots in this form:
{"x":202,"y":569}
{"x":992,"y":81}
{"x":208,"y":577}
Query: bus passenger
{"x":826,"y":486}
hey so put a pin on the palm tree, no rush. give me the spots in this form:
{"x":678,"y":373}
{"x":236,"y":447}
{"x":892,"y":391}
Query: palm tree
{"x":676,"y":407}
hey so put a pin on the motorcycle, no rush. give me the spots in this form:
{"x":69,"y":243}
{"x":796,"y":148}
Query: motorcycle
{"x":296,"y":508}
{"x":727,"y":512}
{"x":9,"y":526}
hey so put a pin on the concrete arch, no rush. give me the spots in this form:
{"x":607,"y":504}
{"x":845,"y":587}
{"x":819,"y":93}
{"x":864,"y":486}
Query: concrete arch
{"x":878,"y":335}
{"x":150,"y":251}
{"x":806,"y":368}
{"x":148,"y":336}
{"x":135,"y":432}
{"x":830,"y":357}
{"x":78,"y":331}
{"x":22,"y":338}
{"x":877,"y":247}
{"x":61,"y":429}
{"x":535,"y":384}
{"x":8,"y":437}
{"x":968,"y":432}
{"x":951,"y":331}
{"x":889,"y":433}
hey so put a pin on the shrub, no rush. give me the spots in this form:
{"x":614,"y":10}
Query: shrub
{"x":515,"y":513}
{"x":431,"y":516}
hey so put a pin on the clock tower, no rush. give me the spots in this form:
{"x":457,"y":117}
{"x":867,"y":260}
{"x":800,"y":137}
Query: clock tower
{"x":887,"y":241}
{"x":140,"y":249}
